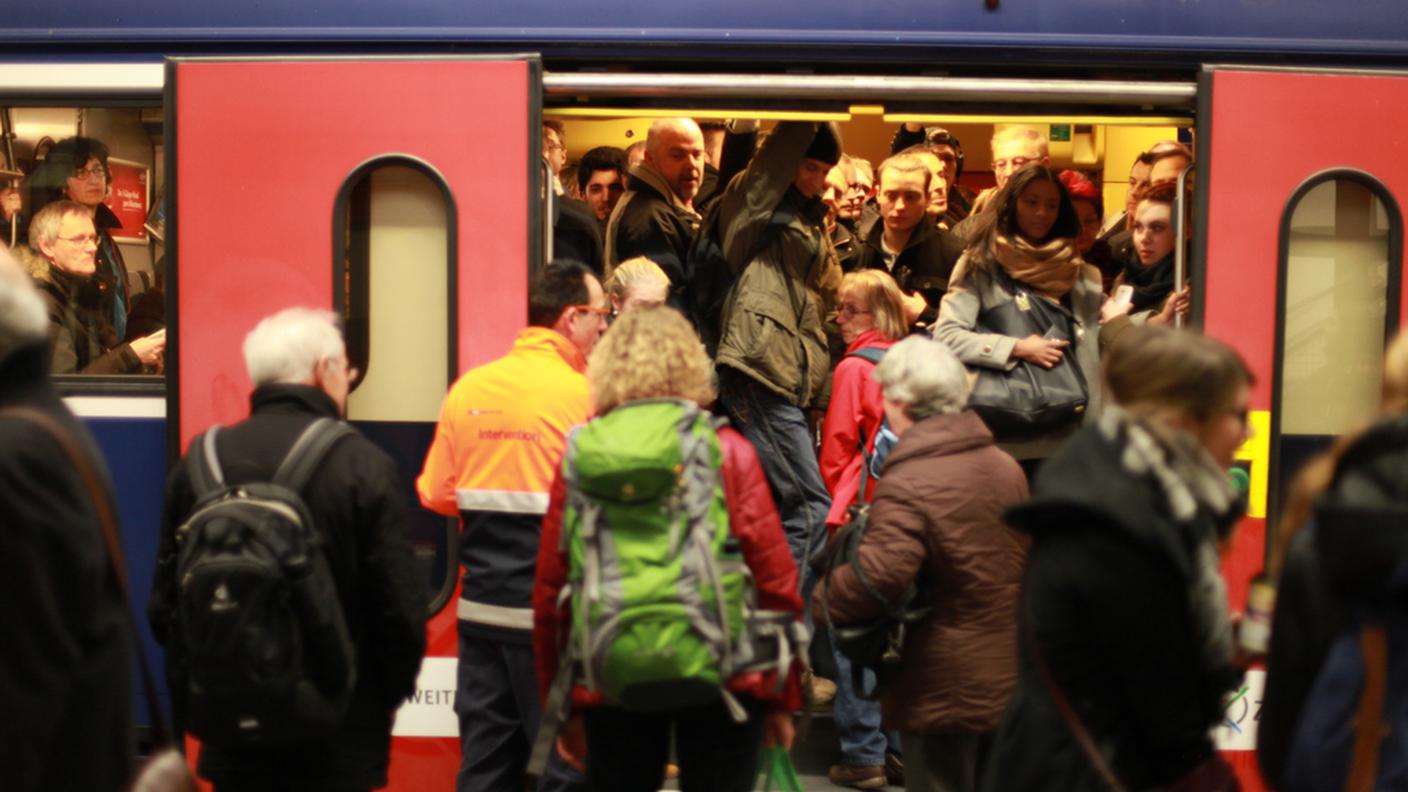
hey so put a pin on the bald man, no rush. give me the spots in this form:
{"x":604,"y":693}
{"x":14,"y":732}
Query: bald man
{"x":656,"y":216}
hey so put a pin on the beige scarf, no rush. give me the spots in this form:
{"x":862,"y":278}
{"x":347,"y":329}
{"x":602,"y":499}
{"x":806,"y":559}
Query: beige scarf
{"x":1051,"y":269}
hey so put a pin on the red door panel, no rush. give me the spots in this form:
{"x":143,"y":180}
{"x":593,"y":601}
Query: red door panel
{"x":1269,"y":132}
{"x":261,"y":148}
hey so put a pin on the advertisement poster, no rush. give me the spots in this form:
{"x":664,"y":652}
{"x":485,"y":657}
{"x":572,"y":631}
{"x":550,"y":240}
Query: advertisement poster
{"x":128,"y":198}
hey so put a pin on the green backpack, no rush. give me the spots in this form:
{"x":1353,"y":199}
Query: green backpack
{"x":664,"y":609}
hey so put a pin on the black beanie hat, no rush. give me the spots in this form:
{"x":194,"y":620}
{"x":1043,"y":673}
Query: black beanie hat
{"x":826,"y":146}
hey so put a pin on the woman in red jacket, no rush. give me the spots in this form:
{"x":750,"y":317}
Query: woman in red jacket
{"x":654,"y":354}
{"x":870,"y":314}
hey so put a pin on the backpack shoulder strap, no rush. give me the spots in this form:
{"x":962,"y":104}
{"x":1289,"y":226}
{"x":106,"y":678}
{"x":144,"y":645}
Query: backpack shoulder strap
{"x":203,"y":463}
{"x":308,"y":452}
{"x":873,"y":354}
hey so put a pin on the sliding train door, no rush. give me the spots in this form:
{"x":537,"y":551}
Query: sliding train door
{"x":400,"y":193}
{"x":1298,"y":191}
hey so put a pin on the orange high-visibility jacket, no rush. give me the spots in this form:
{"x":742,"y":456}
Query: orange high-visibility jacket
{"x":497,"y":448}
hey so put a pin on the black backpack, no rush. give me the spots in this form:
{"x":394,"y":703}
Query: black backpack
{"x":267,"y":654}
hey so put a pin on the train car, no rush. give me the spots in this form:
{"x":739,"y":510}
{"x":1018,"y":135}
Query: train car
{"x":384,"y":161}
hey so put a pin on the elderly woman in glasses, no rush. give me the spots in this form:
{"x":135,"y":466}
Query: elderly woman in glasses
{"x":870,"y":315}
{"x":936,"y":522}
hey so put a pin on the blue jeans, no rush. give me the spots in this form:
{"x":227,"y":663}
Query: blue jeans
{"x":779,"y":433}
{"x":863,"y":741}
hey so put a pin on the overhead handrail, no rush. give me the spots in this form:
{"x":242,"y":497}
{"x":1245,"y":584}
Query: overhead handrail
{"x":147,"y":80}
{"x":869,"y":88}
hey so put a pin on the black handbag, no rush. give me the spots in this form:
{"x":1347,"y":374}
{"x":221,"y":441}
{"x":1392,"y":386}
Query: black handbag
{"x":1029,"y":400}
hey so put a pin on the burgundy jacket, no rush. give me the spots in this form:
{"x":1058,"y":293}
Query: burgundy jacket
{"x":937,"y":515}
{"x":753,"y":520}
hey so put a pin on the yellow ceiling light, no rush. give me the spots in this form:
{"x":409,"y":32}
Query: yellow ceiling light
{"x":604,"y":113}
{"x":958,"y":118}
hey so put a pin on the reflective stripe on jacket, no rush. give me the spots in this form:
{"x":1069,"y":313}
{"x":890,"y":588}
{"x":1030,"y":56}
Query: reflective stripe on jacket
{"x":497,"y":447}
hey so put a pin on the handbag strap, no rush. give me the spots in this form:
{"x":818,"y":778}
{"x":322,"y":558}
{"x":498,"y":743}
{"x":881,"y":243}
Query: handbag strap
{"x":1063,"y":705}
{"x":102,"y":504}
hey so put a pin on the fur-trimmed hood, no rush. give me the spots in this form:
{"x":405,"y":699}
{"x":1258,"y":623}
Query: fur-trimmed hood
{"x":33,"y":262}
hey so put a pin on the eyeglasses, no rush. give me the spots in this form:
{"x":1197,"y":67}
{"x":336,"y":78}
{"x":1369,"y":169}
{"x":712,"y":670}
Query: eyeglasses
{"x":1015,"y":162}
{"x":82,"y":174}
{"x":850,"y":310}
{"x":86,"y":239}
{"x":555,"y":147}
{"x":600,"y":312}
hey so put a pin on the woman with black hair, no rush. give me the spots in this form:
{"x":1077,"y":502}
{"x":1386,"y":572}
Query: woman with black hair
{"x":1022,"y":269}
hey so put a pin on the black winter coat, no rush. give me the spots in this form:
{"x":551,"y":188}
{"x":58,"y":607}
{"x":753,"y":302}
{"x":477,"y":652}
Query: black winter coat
{"x":1336,"y":565}
{"x":650,"y":221}
{"x":923,"y":266}
{"x":65,"y":677}
{"x":358,"y":501}
{"x":1107,"y":599}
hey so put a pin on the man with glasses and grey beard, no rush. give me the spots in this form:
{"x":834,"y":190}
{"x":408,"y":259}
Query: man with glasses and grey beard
{"x":63,"y":262}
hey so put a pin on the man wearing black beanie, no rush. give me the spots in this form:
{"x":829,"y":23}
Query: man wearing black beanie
{"x":773,"y":358}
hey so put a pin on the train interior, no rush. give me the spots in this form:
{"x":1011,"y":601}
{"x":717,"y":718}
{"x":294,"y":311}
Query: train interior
{"x":397,"y":213}
{"x":396,"y":243}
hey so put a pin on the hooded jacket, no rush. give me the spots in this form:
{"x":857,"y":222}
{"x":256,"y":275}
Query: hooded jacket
{"x":1110,"y":609}
{"x":937,"y":517}
{"x":80,"y":330}
{"x":787,"y":274}
{"x":651,"y":221}
{"x":1347,"y":554}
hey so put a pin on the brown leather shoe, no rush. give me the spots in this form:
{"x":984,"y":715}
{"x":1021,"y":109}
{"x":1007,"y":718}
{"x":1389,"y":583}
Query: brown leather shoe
{"x":857,"y":776}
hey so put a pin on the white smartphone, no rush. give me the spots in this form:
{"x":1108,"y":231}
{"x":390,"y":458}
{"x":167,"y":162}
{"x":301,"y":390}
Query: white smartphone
{"x":1123,"y":294}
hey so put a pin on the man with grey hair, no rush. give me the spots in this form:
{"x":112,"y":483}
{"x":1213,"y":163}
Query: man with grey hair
{"x":656,"y":216}
{"x":1013,"y":148}
{"x":298,"y":364}
{"x":65,"y":269}
{"x":65,"y":678}
{"x":935,"y":523}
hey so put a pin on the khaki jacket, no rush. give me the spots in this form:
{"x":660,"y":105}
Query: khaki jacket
{"x":775,"y":240}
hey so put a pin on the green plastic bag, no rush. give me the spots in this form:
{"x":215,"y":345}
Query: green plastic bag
{"x":775,"y":765}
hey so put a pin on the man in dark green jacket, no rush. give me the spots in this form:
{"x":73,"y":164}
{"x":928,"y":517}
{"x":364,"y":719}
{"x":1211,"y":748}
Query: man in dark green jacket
{"x":772,"y":357}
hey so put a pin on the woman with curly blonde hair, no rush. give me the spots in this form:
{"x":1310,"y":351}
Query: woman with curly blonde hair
{"x":649,"y":353}
{"x":649,"y":377}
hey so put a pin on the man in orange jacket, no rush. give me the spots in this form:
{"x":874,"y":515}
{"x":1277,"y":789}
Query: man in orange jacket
{"x":500,"y":438}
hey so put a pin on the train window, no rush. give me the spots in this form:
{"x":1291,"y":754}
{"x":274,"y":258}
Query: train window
{"x":396,"y":255}
{"x":107,"y":161}
{"x":1338,"y":304}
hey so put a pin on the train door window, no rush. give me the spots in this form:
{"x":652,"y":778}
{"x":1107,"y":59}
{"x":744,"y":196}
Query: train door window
{"x":396,"y":279}
{"x":108,"y":160}
{"x":1341,"y":234}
